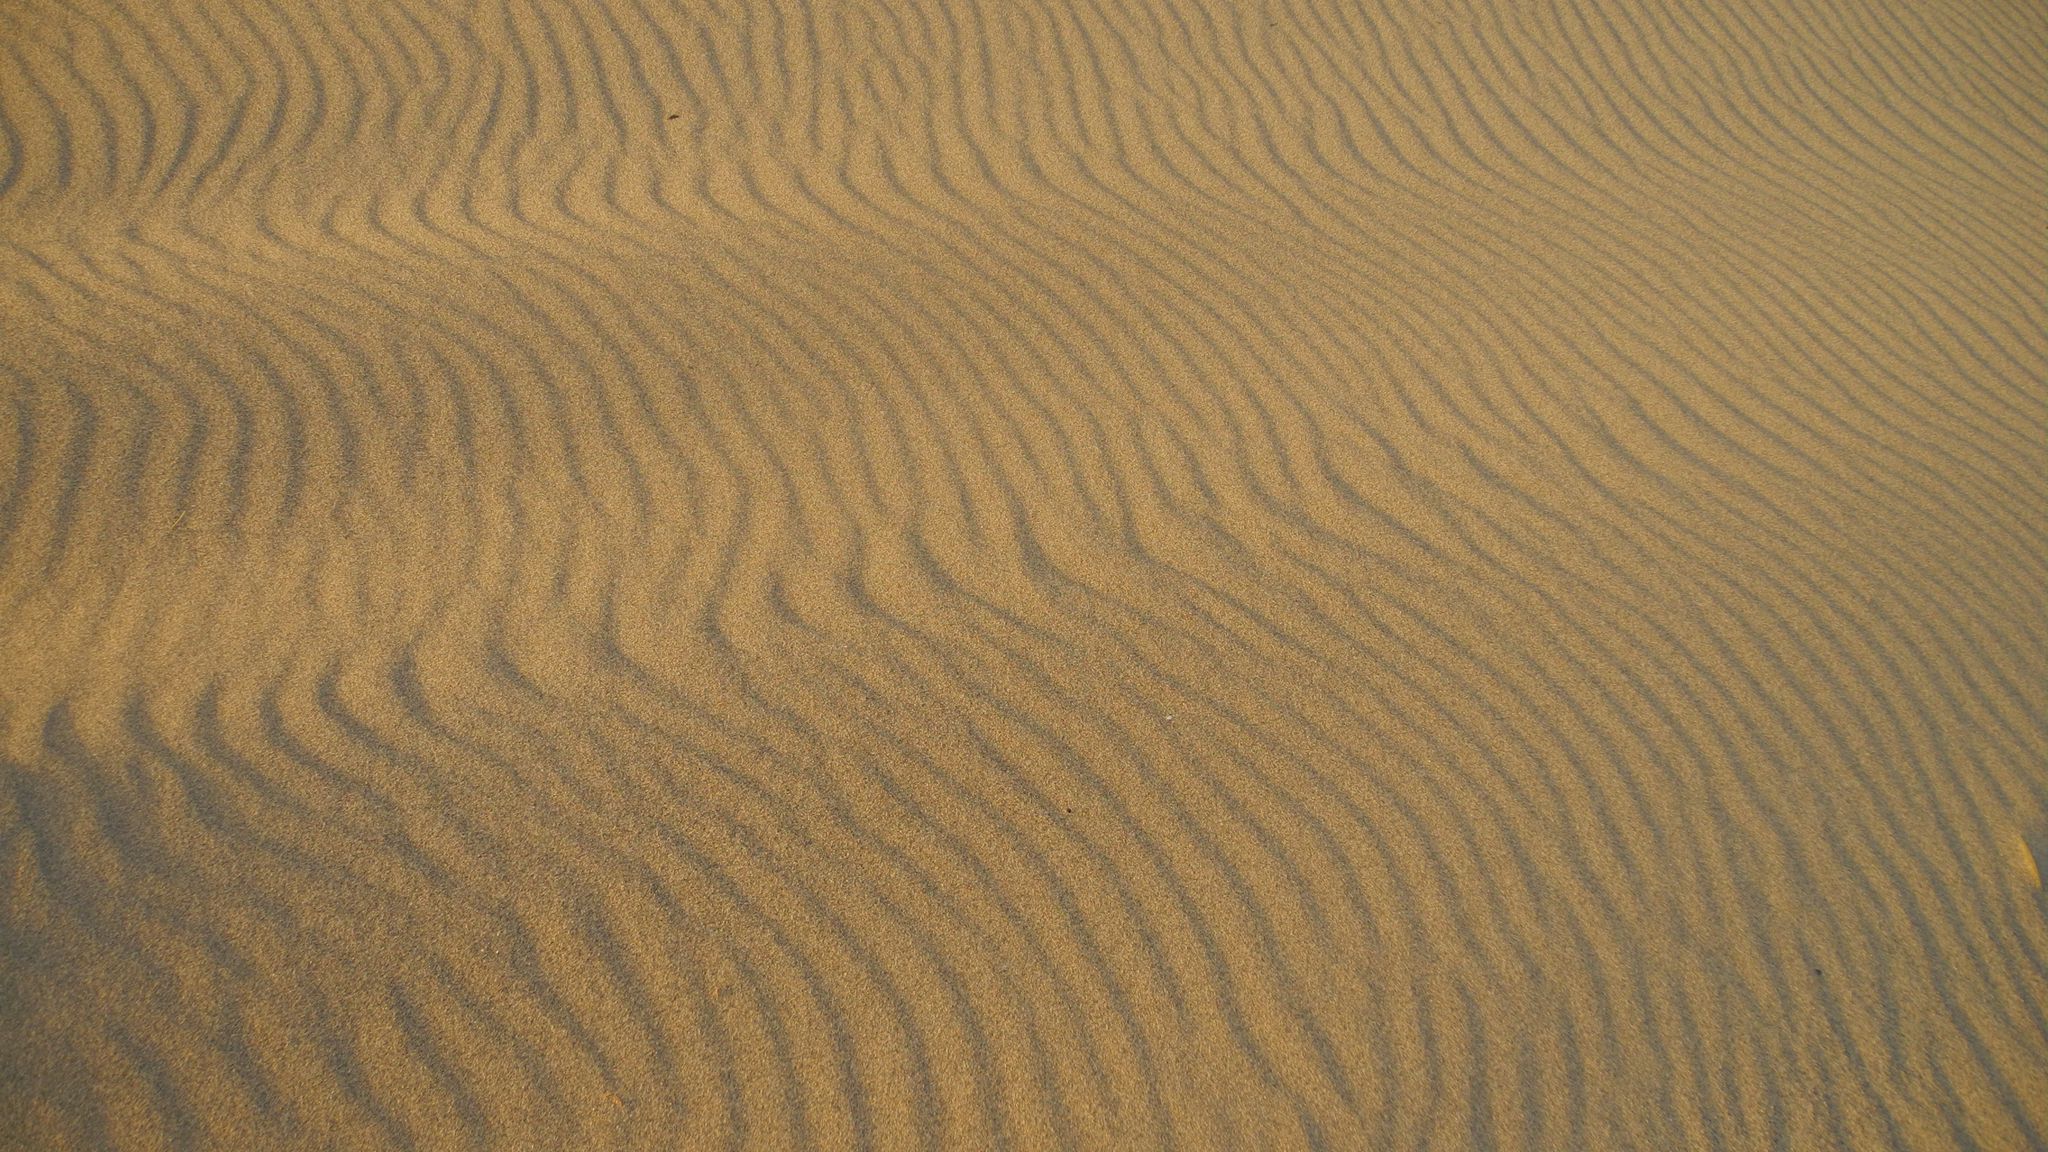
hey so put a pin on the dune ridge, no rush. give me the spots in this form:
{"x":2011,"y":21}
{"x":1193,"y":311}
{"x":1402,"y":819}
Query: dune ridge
{"x":885,"y":573}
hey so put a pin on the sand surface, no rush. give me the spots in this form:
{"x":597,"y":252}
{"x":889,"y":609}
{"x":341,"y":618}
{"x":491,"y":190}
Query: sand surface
{"x":1061,"y":573}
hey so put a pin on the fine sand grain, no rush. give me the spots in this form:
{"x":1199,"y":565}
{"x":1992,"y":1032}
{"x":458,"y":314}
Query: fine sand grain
{"x":1061,"y":573}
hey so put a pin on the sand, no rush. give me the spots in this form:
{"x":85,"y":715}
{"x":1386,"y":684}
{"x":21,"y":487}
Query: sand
{"x":903,"y":574}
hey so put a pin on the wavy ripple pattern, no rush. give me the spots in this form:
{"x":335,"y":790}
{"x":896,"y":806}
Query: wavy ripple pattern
{"x":905,"y":574}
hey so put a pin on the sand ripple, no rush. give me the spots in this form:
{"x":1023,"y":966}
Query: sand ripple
{"x":912,"y":574}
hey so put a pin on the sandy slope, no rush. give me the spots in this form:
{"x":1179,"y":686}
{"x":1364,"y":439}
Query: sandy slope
{"x":1100,"y":573}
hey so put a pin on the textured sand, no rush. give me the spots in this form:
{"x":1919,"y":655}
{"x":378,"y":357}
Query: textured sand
{"x":970,"y":574}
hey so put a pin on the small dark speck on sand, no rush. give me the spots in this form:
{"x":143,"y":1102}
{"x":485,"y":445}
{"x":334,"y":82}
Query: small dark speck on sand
{"x":675,"y":115}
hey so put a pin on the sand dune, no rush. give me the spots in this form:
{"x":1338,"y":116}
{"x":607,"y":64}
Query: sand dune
{"x":898,"y":574}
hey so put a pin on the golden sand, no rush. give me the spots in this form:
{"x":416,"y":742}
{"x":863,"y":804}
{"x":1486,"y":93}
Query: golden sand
{"x":908,"y":574}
